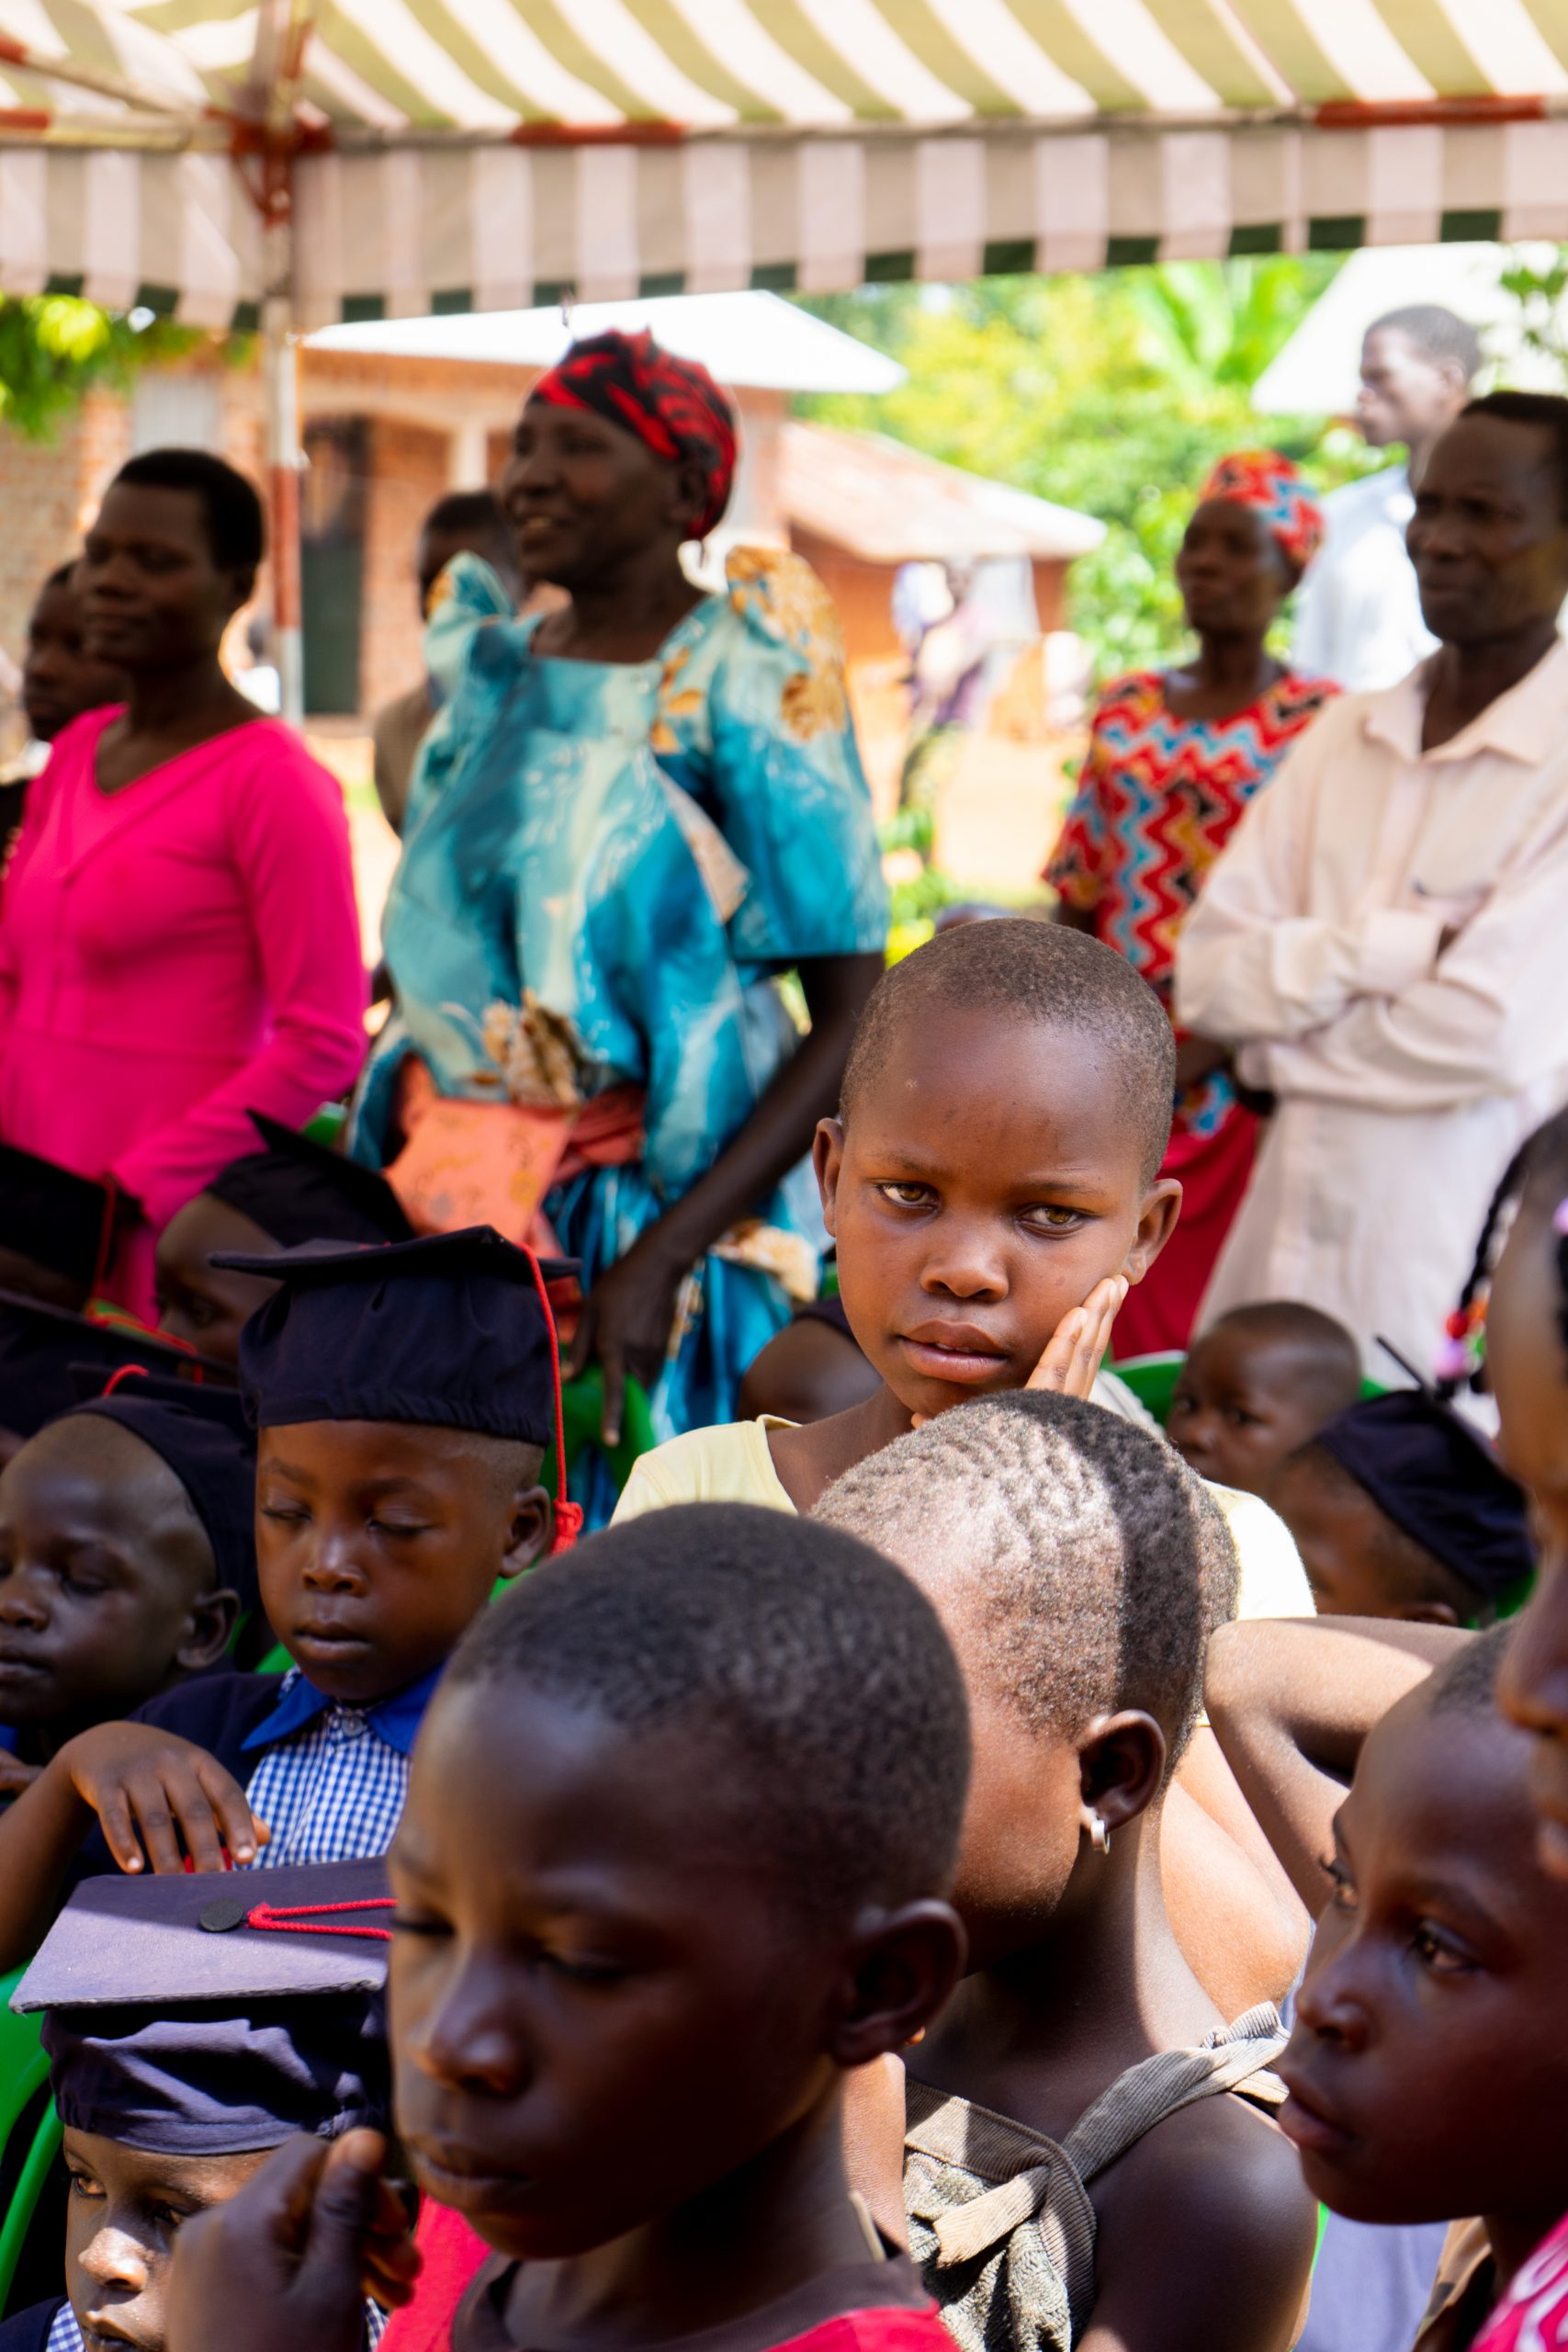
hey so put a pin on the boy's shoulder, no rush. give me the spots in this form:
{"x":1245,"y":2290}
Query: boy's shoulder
{"x":1207,"y":2217}
{"x":728,"y":1463}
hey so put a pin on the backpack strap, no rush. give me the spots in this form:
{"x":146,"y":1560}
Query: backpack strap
{"x":1035,"y":2182}
{"x":1233,"y":2058}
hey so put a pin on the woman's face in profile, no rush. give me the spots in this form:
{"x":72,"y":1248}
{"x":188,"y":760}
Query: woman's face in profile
{"x":150,"y":593}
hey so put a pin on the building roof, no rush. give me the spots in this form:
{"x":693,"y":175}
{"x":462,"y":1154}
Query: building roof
{"x":750,"y":339}
{"x":888,"y":504}
{"x":1317,"y":371}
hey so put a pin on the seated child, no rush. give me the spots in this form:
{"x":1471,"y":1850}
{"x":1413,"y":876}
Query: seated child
{"x":1078,"y":1568}
{"x":294,"y":1191}
{"x":1258,"y":1384}
{"x":404,"y":1396}
{"x":178,"y":2060}
{"x":1429,"y":2068}
{"x":681,"y":1822}
{"x":1399,"y":1509}
{"x":127,"y":1556}
{"x":993,"y":1184}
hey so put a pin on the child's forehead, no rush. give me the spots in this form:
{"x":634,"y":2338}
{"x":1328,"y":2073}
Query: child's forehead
{"x":1449,"y":1785}
{"x":951,"y":1079}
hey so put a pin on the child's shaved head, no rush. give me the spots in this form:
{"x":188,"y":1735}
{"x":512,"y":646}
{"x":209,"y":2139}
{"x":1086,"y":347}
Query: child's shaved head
{"x":1098,"y":1562}
{"x":813,"y":1670}
{"x":1024,"y":971}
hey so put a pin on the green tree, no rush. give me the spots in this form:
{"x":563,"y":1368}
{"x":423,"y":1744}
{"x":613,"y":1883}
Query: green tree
{"x":1113,"y":393}
{"x":54,"y":348}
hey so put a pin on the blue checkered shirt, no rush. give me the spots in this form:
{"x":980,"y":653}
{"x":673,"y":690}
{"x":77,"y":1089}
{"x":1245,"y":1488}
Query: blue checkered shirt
{"x":331,"y":1779}
{"x":65,"y":2335}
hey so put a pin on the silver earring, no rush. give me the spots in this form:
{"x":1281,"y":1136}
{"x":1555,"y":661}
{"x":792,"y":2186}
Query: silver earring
{"x":1098,"y":1834}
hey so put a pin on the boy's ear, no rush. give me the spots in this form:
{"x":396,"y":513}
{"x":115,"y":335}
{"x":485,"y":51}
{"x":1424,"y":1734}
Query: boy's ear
{"x":1121,"y":1766}
{"x":827,"y":1159}
{"x":1157,"y":1223}
{"x":531,"y":1531}
{"x":209,"y":1631}
{"x":902,"y":1969}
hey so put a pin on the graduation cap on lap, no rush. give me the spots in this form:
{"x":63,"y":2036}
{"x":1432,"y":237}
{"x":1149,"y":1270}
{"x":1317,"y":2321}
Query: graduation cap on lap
{"x":203,"y":2015}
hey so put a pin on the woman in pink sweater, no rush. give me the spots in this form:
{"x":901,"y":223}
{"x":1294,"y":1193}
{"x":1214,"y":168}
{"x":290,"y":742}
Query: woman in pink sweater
{"x":178,"y":938}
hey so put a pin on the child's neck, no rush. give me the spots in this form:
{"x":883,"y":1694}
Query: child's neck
{"x":777,"y":2223}
{"x":1038,"y":2035}
{"x":809,"y":1458}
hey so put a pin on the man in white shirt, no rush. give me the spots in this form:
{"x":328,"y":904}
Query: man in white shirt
{"x":1357,"y":614}
{"x":1385,"y":943}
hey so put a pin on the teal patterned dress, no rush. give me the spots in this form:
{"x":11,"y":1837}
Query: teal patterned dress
{"x":605,"y":867}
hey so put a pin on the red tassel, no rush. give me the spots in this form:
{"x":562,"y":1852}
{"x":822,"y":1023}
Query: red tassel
{"x":569,"y":1515}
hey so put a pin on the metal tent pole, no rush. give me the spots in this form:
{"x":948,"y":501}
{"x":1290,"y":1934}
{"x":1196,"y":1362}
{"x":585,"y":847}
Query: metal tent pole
{"x":284,"y":456}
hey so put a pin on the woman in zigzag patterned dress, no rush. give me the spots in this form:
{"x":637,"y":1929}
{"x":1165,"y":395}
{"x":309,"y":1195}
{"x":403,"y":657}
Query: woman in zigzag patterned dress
{"x":1174,"y":758}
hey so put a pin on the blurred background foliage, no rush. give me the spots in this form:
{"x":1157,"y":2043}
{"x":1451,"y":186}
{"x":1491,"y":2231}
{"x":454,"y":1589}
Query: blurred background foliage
{"x":1113,"y":393}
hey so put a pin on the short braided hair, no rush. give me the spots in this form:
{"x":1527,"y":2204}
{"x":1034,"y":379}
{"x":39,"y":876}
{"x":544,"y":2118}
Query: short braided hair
{"x":1022,"y":970}
{"x":1540,"y":1164}
{"x":815,"y":1673}
{"x":1101,"y":1563}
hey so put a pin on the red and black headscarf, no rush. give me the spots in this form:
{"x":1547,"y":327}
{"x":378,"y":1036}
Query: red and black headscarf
{"x":671,"y":404}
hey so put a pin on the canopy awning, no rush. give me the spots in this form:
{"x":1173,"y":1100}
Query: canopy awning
{"x":449,"y":154}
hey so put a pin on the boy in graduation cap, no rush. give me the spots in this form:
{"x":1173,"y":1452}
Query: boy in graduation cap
{"x":403,"y":1398}
{"x":187,"y":2036}
{"x":127,"y":1559}
{"x":293,"y":1190}
{"x":1400,"y":1508}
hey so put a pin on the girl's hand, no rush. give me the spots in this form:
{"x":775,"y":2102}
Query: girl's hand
{"x":289,"y":2259}
{"x":1071,"y":1362}
{"x":152,"y":1789}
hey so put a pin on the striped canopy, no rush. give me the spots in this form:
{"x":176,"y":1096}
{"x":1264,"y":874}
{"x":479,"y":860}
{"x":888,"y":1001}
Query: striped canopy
{"x":442,"y":155}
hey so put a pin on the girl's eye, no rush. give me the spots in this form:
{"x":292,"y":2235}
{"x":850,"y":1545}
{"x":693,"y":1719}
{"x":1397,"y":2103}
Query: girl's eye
{"x":84,"y":2184}
{"x":1046,"y":1216}
{"x":1343,"y":1898}
{"x":1434,"y":1951}
{"x":905,"y":1196}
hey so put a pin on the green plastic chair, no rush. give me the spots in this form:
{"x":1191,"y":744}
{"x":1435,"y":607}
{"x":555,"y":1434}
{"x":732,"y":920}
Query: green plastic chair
{"x":29,"y":2129}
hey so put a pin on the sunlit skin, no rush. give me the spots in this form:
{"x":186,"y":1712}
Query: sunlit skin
{"x":1240,"y":1406}
{"x":1342,"y":1537}
{"x":125,"y":2210}
{"x":599,"y":2060}
{"x":107,"y":1590}
{"x":1232,"y":573}
{"x":150,"y":592}
{"x":989,"y":1179}
{"x":1527,"y":1363}
{"x":1427,"y":2069}
{"x":1488,"y":538}
{"x":59,"y":678}
{"x":377,"y":1544}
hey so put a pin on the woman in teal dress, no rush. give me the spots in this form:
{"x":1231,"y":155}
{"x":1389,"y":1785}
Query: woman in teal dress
{"x":630,"y":818}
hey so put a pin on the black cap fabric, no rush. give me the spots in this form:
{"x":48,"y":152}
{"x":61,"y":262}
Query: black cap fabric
{"x":1440,"y":1481}
{"x":55,"y":1218}
{"x":48,"y":1356}
{"x":214,"y":1462}
{"x":299,"y":1191}
{"x":180,"y":2022}
{"x":452,"y":1332}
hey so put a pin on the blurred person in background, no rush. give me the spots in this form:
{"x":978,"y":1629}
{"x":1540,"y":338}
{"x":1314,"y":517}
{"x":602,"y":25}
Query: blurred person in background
{"x":1174,"y":758}
{"x":59,"y":680}
{"x":1358,"y":615}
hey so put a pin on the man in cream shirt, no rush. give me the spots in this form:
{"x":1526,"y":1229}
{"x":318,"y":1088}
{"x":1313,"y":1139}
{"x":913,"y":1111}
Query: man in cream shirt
{"x":1384,"y":944}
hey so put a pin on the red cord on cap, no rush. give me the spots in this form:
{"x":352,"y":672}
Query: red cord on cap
{"x":298,"y":1918}
{"x":569,"y":1515}
{"x":126,"y":1372}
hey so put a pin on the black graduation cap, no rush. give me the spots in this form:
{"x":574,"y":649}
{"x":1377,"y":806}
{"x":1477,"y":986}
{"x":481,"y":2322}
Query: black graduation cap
{"x":215,"y":1464}
{"x":299,"y":1191}
{"x":54,"y":1216}
{"x":453,"y":1330}
{"x":47,"y":1353}
{"x":1438,"y":1480}
{"x":204,"y":2015}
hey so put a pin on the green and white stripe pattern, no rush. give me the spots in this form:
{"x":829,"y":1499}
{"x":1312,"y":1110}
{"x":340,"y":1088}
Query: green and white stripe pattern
{"x":732,"y":143}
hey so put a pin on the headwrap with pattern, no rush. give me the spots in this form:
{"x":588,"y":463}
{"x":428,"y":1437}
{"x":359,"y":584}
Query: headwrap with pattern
{"x":1261,"y":477}
{"x":673,"y":404}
